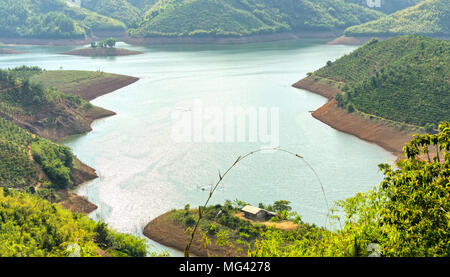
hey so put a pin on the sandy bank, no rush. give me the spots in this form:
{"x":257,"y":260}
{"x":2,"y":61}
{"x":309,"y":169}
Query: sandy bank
{"x":388,"y":137}
{"x":166,"y":232}
{"x":102,"y":52}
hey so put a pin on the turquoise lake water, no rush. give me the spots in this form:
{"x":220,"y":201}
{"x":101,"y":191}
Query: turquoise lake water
{"x":145,"y":172}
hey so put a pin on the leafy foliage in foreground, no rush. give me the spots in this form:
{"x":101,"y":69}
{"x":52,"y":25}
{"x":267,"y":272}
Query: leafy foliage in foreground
{"x":33,"y":227}
{"x":403,"y":79}
{"x":51,"y":19}
{"x":408,"y":215}
{"x":429,"y":17}
{"x":248,"y":17}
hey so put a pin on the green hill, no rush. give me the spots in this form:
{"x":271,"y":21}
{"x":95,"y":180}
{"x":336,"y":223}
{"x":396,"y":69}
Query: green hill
{"x":33,"y":227}
{"x":119,"y":9}
{"x":429,"y":17}
{"x":248,"y":17}
{"x":33,"y":163}
{"x":51,"y":19}
{"x":387,"y":6}
{"x":404,"y":79}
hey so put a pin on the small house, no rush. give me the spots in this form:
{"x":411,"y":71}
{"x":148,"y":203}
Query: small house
{"x":255,"y":213}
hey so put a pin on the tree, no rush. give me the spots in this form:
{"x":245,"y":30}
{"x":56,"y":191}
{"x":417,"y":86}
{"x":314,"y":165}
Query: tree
{"x":110,"y":42}
{"x":282,"y":205}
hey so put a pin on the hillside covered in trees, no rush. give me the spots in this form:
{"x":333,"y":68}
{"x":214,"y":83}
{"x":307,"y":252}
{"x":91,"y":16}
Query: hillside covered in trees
{"x":249,"y":17}
{"x":51,"y":19}
{"x":429,"y":17}
{"x":33,"y":227}
{"x":37,"y":176}
{"x":404,"y":79}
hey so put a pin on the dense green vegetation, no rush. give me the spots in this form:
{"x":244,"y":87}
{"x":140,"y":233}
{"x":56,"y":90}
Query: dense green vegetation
{"x":51,"y":19}
{"x":222,"y":223}
{"x":119,"y":9}
{"x":24,"y":156}
{"x":22,"y":93}
{"x":407,"y":215}
{"x":33,"y":227}
{"x":429,"y":17}
{"x":403,"y":79}
{"x":40,"y":170}
{"x":387,"y":6}
{"x":247,"y":17}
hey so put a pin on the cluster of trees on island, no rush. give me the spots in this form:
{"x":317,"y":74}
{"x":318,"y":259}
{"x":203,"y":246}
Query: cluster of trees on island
{"x":110,"y":42}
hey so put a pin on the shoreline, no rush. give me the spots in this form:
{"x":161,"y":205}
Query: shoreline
{"x":102,"y":52}
{"x":7,"y":51}
{"x":389,"y":138}
{"x":74,"y":122}
{"x":63,"y":41}
{"x":161,"y":40}
{"x":83,"y":173}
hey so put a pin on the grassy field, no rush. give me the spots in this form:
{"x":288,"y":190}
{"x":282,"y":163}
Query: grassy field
{"x":65,"y":80}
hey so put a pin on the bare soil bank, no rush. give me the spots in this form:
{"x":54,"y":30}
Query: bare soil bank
{"x":385,"y":136}
{"x":61,"y":42}
{"x":8,"y":51}
{"x":232,"y":40}
{"x":91,"y":90}
{"x":63,"y":120}
{"x":343,"y":40}
{"x":317,"y":87}
{"x":102,"y":52}
{"x":166,"y":232}
{"x":390,"y":138}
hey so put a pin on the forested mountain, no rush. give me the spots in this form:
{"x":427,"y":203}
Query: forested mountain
{"x":248,"y":17}
{"x":386,"y":6}
{"x":51,"y":19}
{"x":119,"y":9}
{"x":403,"y":79}
{"x":429,"y":17}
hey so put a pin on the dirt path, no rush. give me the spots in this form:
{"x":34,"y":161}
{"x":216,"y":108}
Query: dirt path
{"x":283,"y":225}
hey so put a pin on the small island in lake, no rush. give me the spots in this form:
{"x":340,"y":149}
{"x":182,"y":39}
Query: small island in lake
{"x":105,"y":48}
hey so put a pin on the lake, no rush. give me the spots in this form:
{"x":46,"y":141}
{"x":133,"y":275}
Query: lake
{"x":145,"y":171}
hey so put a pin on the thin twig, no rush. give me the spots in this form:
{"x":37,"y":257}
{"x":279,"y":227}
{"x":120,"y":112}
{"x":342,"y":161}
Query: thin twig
{"x":221,"y":177}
